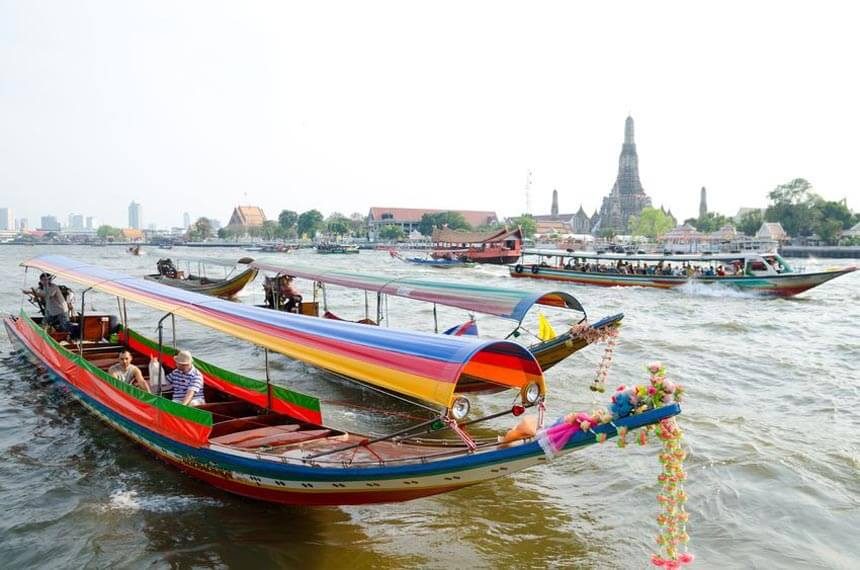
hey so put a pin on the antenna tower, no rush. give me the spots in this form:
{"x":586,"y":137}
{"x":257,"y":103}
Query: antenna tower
{"x":529,"y":179}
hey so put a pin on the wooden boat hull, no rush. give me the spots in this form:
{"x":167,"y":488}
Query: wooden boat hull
{"x":280,"y":479}
{"x":783,"y":285}
{"x":214,"y":288}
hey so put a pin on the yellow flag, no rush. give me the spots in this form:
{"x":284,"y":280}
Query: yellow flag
{"x":545,"y":330}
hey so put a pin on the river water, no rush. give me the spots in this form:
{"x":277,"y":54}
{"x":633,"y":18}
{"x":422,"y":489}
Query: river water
{"x":770,"y":420}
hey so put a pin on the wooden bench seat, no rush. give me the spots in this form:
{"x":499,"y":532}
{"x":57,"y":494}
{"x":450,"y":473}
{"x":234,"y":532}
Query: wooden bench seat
{"x":281,"y":439}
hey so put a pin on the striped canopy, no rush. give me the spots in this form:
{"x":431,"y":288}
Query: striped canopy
{"x":423,"y":366}
{"x":506,"y":303}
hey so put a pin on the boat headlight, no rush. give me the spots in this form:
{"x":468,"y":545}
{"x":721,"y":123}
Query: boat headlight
{"x":531,"y":393}
{"x":460,"y":408}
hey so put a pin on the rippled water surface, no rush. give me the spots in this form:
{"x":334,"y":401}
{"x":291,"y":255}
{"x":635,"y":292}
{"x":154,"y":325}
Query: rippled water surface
{"x":771,"y":422}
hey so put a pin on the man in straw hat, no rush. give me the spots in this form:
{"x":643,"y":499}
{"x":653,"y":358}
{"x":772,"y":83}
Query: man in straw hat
{"x":187,"y":381}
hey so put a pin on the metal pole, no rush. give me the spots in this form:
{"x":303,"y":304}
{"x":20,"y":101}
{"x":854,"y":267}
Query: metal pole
{"x":81,"y":321}
{"x":173,"y":328}
{"x":160,"y":347}
{"x":378,"y":307}
{"x":435,"y":320}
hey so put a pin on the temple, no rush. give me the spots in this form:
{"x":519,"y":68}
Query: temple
{"x":627,"y":197}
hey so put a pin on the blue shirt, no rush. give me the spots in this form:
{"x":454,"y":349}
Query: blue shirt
{"x":184,"y":381}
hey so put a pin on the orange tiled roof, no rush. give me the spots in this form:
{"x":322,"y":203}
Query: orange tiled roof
{"x":247,"y":216}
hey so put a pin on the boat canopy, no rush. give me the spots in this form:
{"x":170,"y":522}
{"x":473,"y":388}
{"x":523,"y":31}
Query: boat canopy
{"x":506,"y":303}
{"x":423,"y":366}
{"x":648,"y":256}
{"x":214,"y":261}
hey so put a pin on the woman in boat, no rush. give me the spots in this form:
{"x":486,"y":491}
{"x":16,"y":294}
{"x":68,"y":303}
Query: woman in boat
{"x":127,"y":372}
{"x":186,"y":380}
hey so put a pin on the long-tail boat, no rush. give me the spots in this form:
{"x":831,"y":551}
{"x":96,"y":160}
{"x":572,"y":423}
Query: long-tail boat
{"x":195,"y":274}
{"x":510,"y":304}
{"x":263,"y":441}
{"x":763,"y":273}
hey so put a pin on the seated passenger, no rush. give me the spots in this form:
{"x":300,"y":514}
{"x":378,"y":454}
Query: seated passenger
{"x":127,"y":372}
{"x":186,"y":380}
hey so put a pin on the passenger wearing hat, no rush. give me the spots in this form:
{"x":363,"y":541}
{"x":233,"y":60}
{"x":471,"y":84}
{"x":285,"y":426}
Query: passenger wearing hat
{"x":187,"y":381}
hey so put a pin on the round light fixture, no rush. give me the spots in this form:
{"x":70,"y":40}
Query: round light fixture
{"x":531,"y":393}
{"x":460,"y":408}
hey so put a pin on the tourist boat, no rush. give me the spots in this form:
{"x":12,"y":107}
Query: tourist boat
{"x":134,"y":250}
{"x":195,"y":275}
{"x":509,"y":304}
{"x":498,"y":247}
{"x":338,"y":248}
{"x":263,"y":441}
{"x":763,"y":273}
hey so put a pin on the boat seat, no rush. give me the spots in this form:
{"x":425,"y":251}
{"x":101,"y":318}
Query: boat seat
{"x":235,"y":425}
{"x":258,"y":433}
{"x":232,"y":408}
{"x":284,"y":438}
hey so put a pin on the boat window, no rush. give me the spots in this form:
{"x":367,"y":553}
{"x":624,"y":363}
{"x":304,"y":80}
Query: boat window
{"x":757,"y":265}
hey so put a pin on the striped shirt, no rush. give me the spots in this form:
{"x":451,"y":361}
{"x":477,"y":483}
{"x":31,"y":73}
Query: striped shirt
{"x":184,"y":381}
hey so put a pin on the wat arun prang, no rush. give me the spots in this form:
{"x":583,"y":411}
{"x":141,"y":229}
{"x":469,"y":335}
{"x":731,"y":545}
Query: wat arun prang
{"x":627,"y":197}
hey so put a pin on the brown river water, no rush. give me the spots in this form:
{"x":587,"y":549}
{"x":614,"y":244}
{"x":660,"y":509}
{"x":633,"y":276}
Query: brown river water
{"x":770,"y":420}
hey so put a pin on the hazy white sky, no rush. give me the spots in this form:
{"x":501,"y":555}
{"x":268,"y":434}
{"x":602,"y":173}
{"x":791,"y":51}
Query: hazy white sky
{"x":199,"y":106}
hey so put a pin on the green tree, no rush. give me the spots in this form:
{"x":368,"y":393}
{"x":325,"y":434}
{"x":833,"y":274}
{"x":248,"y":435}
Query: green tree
{"x":200,"y":230}
{"x":451,"y":220}
{"x":287,"y":219}
{"x":338,"y":224}
{"x":309,"y":223}
{"x":106,"y":232}
{"x":751,"y":222}
{"x":527,"y":224}
{"x":392,"y":233}
{"x":226,"y":233}
{"x":651,"y":222}
{"x":829,"y":230}
{"x":792,"y":205}
{"x":270,"y":229}
{"x":358,"y":223}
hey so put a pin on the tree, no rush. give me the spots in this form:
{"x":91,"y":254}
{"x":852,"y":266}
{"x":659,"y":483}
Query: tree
{"x":270,"y":229}
{"x":200,"y":230}
{"x":338,"y":225}
{"x":792,"y":205}
{"x":287,"y":219}
{"x":829,"y":230}
{"x":106,"y":232}
{"x":708,"y":223}
{"x":751,"y":222}
{"x":226,"y":233}
{"x":309,"y":223}
{"x":392,"y":233}
{"x":527,"y":224}
{"x":651,"y":222}
{"x":359,"y":224}
{"x":451,"y":220}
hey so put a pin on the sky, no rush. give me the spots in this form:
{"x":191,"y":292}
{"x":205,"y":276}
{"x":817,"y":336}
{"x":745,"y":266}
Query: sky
{"x":199,"y":106}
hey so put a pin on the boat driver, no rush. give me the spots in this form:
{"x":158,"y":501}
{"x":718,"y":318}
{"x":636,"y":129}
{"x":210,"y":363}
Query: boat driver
{"x":55,"y":303}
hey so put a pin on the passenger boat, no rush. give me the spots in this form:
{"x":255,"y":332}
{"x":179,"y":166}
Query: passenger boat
{"x":497,"y":247}
{"x":509,"y":304}
{"x":762,"y":273}
{"x":337,"y":248}
{"x":263,"y":441}
{"x":196,"y":275}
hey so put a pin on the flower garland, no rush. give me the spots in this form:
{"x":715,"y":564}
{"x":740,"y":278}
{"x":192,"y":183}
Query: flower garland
{"x":672,"y":497}
{"x":591,"y":336}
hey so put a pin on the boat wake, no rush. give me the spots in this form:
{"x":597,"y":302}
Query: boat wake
{"x":132,"y":501}
{"x":693,"y":289}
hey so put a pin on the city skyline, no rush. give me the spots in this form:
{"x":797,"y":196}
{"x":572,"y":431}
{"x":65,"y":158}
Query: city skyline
{"x":91,"y":107}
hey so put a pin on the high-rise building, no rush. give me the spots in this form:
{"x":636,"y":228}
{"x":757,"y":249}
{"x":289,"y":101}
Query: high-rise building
{"x":134,"y":216}
{"x":49,"y":223}
{"x":7,"y":219}
{"x":23,"y":225}
{"x":76,"y":222}
{"x":92,"y":223}
{"x":186,"y":220}
{"x":627,"y":197}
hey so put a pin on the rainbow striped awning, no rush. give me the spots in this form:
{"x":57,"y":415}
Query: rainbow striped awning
{"x":506,"y":303}
{"x":424,"y":366}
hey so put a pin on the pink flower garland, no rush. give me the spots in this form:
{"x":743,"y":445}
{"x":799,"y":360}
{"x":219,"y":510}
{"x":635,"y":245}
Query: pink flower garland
{"x":591,"y":336}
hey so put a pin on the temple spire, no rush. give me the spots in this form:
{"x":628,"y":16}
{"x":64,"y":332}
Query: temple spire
{"x":628,"y":131}
{"x":554,"y":209}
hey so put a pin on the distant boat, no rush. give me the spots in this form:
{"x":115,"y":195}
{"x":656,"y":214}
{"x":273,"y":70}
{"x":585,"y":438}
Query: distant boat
{"x":763,"y":273}
{"x":441,"y":263}
{"x":200,"y":282}
{"x":134,"y":250}
{"x":497,"y":247}
{"x":339,"y":248}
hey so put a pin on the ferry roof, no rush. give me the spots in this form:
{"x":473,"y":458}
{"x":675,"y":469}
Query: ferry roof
{"x":506,"y":303}
{"x":647,"y":256}
{"x":419,"y":365}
